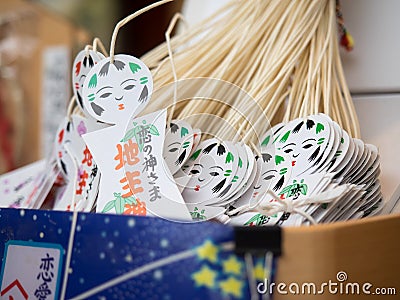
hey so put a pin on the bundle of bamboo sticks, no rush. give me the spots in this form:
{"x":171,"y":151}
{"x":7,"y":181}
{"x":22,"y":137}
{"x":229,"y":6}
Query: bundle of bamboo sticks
{"x":283,"y":53}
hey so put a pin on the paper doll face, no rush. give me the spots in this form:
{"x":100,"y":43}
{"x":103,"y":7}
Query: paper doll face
{"x":302,"y":150}
{"x":267,"y":174}
{"x":83,"y":63}
{"x":113,"y":93}
{"x":177,"y":145}
{"x":211,"y":172}
{"x":274,"y":175}
{"x":304,"y":141}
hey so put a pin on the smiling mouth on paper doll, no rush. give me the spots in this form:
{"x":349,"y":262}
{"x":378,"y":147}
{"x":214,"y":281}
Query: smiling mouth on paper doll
{"x":121,"y":107}
{"x":293,"y":163}
{"x":197,"y":188}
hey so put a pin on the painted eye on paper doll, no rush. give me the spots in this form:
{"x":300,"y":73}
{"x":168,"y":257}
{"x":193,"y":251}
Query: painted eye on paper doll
{"x":268,"y":177}
{"x":82,"y":80}
{"x":307,"y":146}
{"x":196,"y":169}
{"x":105,"y":95}
{"x":129,"y":87}
{"x":173,"y":147}
{"x":288,"y":148}
{"x":214,"y":171}
{"x":308,"y":143}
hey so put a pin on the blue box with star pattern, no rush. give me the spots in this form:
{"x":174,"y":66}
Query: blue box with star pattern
{"x":123,"y":257}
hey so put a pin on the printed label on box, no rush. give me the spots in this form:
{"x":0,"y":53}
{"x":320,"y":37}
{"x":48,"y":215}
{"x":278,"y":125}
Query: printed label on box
{"x":31,"y":270}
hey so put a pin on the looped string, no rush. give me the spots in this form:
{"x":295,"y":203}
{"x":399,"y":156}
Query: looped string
{"x":171,"y":26}
{"x":295,"y":206}
{"x":269,"y":208}
{"x":87,"y":48}
{"x":97,"y":42}
{"x":127,"y":20}
{"x":224,"y":219}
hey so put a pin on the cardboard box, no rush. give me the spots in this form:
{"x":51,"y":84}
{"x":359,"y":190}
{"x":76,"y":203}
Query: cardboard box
{"x":109,"y":256}
{"x":366,"y":250}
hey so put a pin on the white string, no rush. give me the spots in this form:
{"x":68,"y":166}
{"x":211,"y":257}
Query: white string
{"x":171,"y":58}
{"x":69,"y":254}
{"x":74,"y":178}
{"x":128,"y":19}
{"x":87,"y":48}
{"x":295,"y":206}
{"x":269,"y":259}
{"x":250,"y":276}
{"x":223,"y":219}
{"x":97,"y":42}
{"x":289,"y":205}
{"x":146,"y":268}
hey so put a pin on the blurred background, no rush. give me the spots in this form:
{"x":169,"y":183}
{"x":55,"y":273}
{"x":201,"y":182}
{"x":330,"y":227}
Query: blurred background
{"x":99,"y":17}
{"x":38,"y":42}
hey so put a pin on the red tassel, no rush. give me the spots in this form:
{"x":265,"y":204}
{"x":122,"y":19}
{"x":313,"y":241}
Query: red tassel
{"x":347,"y":41}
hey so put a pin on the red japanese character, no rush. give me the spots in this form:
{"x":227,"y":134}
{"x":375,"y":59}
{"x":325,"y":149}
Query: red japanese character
{"x":82,"y":182}
{"x":88,"y":157}
{"x":138,"y":209}
{"x":131,"y":182}
{"x":128,"y":155}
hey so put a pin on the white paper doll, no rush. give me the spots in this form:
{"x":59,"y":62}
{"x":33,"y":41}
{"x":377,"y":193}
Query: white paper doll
{"x":212,"y":170}
{"x":114,"y":92}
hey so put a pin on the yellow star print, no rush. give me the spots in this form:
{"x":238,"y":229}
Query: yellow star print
{"x":259,"y":272}
{"x":232,"y":266}
{"x":232,"y":286}
{"x":208,"y":251}
{"x":205,"y":277}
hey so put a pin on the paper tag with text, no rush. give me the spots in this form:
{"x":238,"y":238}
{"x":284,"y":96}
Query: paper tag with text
{"x":135,"y":179}
{"x":31,"y":270}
